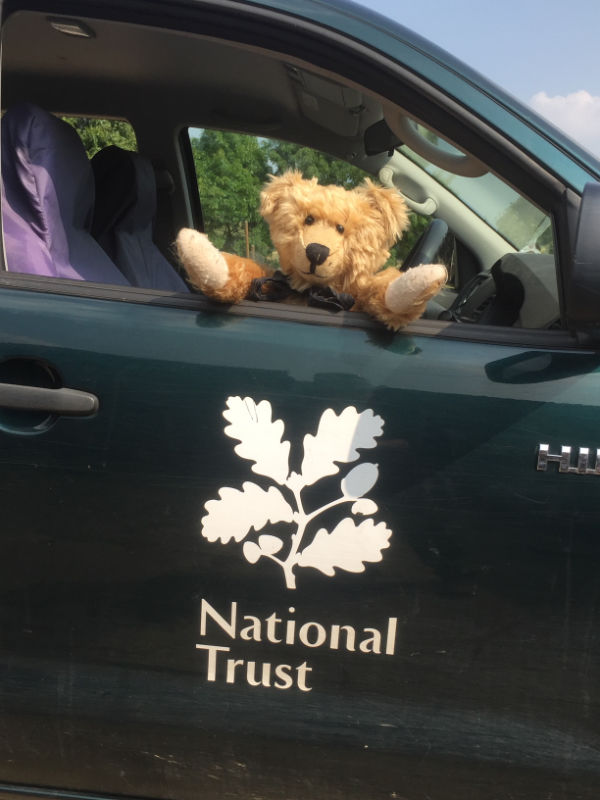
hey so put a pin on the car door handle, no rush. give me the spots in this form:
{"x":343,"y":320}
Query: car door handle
{"x":64,"y":402}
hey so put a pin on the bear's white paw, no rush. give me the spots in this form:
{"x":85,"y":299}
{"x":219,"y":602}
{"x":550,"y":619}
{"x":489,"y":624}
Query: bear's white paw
{"x":204,"y":264}
{"x":414,"y":287}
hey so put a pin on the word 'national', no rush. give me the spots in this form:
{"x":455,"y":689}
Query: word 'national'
{"x":276,"y":630}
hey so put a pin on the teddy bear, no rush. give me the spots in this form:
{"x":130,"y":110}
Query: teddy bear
{"x":329,"y":239}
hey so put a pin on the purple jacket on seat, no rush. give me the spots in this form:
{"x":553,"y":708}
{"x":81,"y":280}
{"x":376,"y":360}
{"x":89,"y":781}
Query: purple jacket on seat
{"x":48,"y":200}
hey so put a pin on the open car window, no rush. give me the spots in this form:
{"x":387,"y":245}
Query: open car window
{"x":232,"y":168}
{"x":498,"y":242}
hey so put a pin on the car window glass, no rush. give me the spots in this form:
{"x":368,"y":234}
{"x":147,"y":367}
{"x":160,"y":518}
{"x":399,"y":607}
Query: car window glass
{"x":516,"y":219}
{"x":491,"y":224}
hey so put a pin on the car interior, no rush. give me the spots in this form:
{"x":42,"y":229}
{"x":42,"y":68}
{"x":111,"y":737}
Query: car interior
{"x":113,"y":219}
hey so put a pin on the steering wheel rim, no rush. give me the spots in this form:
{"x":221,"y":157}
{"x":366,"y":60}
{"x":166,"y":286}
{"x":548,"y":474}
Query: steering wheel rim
{"x":428,"y":245}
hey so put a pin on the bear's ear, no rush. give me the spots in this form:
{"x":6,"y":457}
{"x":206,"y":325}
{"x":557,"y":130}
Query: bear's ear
{"x":389,"y":206}
{"x":278,"y":188}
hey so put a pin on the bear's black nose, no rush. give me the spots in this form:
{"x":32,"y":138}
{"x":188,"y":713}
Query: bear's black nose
{"x":316,"y":254}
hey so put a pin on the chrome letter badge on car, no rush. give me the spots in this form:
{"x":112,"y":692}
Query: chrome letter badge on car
{"x":564,"y":460}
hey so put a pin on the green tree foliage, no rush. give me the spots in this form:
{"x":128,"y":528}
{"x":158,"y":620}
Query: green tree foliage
{"x":312,"y":164}
{"x":231,"y":169}
{"x":98,"y":133}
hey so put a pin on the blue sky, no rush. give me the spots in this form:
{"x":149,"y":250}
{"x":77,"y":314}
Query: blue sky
{"x":545,"y":52}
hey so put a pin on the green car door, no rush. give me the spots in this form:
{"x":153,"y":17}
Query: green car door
{"x":290,"y":552}
{"x":272,"y":551}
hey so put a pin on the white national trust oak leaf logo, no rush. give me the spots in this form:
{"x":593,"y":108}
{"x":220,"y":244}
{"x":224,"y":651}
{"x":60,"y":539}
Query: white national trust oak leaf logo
{"x":239,"y":513}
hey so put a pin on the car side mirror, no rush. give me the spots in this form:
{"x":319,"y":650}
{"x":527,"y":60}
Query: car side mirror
{"x":583,"y":288}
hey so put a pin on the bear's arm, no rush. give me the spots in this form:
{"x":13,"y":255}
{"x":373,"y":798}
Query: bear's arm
{"x":397,"y":298}
{"x":220,"y":276}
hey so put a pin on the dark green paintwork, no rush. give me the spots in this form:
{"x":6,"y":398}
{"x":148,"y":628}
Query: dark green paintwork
{"x":492,"y":572}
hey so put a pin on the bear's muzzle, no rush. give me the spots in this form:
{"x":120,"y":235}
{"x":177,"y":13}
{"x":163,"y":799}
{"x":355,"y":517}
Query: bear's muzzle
{"x":317,"y":254}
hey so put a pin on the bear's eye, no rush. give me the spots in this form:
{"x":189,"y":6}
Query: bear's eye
{"x":339,"y":228}
{"x":309,"y":220}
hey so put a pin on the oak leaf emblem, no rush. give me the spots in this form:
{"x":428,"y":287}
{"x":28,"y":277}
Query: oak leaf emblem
{"x":241,"y":514}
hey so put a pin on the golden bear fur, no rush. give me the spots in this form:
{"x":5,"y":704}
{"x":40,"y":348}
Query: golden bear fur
{"x":325,"y":236}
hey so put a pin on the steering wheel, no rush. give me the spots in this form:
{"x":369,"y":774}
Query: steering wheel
{"x":427,"y":247}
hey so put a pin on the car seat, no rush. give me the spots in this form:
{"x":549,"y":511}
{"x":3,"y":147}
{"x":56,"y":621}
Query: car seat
{"x":124,"y":218}
{"x":48,"y":200}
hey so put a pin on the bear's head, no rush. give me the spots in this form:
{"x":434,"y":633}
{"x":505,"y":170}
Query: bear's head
{"x":330,"y":236}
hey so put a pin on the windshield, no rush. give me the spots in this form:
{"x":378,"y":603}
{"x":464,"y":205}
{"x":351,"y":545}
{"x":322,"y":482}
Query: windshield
{"x":514,"y":217}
